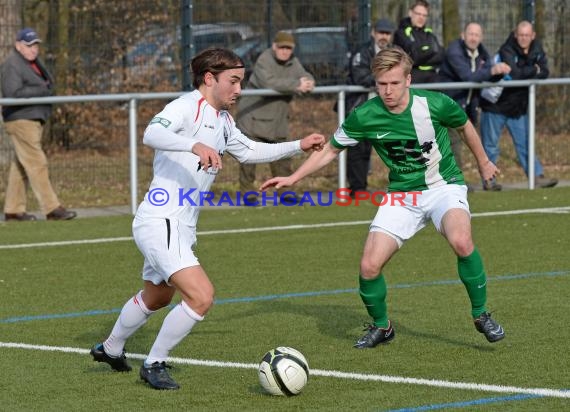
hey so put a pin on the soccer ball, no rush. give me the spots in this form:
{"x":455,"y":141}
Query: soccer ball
{"x":283,"y":371}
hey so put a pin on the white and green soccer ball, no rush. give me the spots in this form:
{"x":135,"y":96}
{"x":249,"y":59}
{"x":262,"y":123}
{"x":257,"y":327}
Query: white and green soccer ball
{"x":283,"y":371}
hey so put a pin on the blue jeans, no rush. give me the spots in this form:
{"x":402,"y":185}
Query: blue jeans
{"x":491,"y":127}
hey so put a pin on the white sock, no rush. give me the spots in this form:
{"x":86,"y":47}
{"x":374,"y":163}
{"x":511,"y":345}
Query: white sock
{"x":133,"y":315}
{"x":177,"y":324}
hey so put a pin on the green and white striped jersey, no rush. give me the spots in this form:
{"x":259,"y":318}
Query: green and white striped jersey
{"x":414,"y":144}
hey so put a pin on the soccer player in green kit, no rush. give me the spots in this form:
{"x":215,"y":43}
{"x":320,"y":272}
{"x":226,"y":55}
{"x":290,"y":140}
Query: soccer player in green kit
{"x":408,"y":130}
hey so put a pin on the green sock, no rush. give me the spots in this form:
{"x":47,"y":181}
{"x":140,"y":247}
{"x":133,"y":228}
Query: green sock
{"x":373,"y":293}
{"x":472,"y":274}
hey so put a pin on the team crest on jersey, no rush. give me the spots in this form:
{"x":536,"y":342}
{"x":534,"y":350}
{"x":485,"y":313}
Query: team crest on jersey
{"x":161,"y":120}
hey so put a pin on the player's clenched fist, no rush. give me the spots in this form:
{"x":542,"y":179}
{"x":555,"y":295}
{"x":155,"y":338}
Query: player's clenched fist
{"x":314,"y":141}
{"x":208,"y":156}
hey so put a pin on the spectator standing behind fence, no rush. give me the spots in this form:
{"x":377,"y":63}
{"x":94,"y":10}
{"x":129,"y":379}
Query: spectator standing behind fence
{"x":24,"y":75}
{"x":467,"y":60}
{"x":360,"y":73}
{"x":420,"y":43}
{"x":527,"y":59}
{"x":266,"y":118}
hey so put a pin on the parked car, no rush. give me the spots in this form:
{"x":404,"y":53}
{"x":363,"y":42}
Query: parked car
{"x":324,"y":52}
{"x":155,"y":58}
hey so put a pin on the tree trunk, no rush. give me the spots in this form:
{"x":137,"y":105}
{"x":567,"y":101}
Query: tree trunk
{"x":61,"y":50}
{"x":450,"y":21}
{"x":10,"y":16}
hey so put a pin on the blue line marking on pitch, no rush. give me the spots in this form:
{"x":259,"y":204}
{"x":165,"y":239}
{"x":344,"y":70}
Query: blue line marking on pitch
{"x":464,"y":404}
{"x":249,"y":299}
{"x":59,"y":316}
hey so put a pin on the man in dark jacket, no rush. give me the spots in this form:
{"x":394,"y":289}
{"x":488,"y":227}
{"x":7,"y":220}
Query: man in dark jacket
{"x":266,"y":118}
{"x":358,"y":157}
{"x":467,"y":60}
{"x":24,"y":75}
{"x":526,"y":57}
{"x":420,"y":43}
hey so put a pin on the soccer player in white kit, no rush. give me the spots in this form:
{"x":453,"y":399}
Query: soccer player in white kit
{"x":190,"y":136}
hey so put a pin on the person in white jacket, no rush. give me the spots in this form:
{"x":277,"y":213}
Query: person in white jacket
{"x":190,"y":137}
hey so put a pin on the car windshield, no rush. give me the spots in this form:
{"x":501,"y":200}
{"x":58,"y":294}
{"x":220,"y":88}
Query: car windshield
{"x":324,"y":52}
{"x":311,"y":43}
{"x":320,"y":43}
{"x":142,"y":53}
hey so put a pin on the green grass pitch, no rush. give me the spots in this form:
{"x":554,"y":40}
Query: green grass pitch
{"x":296,"y":286}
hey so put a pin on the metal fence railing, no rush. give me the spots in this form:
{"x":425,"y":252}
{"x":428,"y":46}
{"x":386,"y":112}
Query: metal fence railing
{"x":106,"y":46}
{"x":135,"y":183}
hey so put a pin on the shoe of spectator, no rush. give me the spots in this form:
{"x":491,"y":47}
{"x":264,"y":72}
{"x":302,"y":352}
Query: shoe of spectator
{"x":289,"y":199}
{"x":61,"y":213}
{"x":251,"y":200}
{"x":492,"y":186}
{"x":20,"y":217}
{"x":354,"y":191}
{"x":545,"y":182}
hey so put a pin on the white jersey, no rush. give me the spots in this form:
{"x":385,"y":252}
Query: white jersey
{"x":178,"y":180}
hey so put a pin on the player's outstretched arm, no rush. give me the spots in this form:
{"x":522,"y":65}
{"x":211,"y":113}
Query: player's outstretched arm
{"x":317,"y":160}
{"x":487,"y":169}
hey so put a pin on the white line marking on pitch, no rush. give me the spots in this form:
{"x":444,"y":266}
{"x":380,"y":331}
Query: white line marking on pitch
{"x":553,"y":393}
{"x":550,"y":210}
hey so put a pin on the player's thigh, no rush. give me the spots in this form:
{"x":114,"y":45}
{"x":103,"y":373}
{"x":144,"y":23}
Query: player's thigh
{"x":166,"y":245}
{"x":456,"y":228}
{"x":399,"y":221}
{"x":439,"y":201}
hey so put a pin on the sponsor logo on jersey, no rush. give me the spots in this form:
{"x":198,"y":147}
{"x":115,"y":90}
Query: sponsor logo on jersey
{"x":161,"y":120}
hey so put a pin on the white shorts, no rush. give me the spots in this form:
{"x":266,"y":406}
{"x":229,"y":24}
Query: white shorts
{"x":167,"y":246}
{"x":403,"y":221}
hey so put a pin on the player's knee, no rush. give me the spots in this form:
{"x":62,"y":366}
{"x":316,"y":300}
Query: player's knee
{"x":203,"y":300}
{"x":369,"y":269}
{"x":158,"y":302}
{"x":462,"y":245}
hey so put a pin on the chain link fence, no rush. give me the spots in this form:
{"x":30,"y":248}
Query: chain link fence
{"x":101,"y":47}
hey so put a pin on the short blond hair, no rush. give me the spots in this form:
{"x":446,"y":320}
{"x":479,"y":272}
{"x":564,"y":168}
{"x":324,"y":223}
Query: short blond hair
{"x":390,"y":57}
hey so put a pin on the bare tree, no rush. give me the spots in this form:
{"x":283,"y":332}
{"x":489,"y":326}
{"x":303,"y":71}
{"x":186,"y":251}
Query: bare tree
{"x":63,"y":46}
{"x":10,"y":15}
{"x":451,"y":22}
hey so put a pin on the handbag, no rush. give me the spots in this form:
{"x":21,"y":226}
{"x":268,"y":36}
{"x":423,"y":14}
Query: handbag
{"x":493,"y":93}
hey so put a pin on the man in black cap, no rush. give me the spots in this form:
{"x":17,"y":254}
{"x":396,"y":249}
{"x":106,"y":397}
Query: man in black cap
{"x":358,"y":157}
{"x":24,"y":75}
